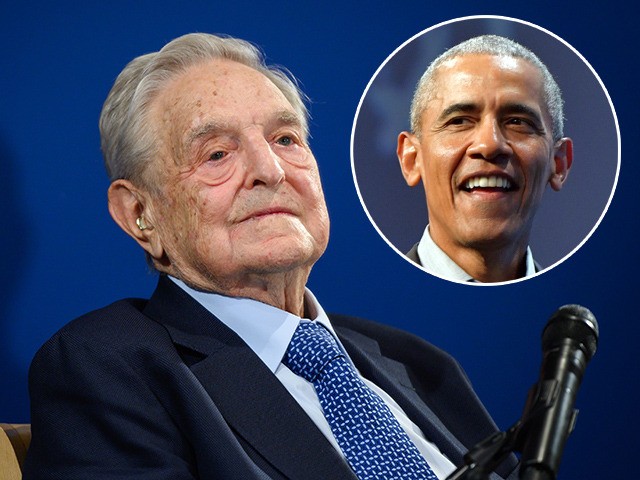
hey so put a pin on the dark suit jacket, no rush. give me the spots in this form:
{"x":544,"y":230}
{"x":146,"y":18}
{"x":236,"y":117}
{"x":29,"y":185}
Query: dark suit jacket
{"x":161,"y":389}
{"x":413,"y":254}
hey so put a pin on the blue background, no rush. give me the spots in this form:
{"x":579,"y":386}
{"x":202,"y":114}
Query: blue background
{"x":62,"y":255}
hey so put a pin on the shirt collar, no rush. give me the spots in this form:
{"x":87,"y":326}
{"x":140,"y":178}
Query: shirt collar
{"x":440,"y":264}
{"x":267,"y":330}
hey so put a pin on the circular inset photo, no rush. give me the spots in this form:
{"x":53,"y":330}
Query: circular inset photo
{"x":485,"y":150}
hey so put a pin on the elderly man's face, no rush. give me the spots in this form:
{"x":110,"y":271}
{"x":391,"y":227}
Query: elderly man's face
{"x":486,"y":152}
{"x":240,"y":190}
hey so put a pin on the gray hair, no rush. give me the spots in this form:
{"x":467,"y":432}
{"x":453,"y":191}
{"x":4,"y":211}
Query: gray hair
{"x":489,"y":45}
{"x":128,"y":139}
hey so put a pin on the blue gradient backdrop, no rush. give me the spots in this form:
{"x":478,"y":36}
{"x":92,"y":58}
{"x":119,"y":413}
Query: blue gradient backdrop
{"x":62,"y":255}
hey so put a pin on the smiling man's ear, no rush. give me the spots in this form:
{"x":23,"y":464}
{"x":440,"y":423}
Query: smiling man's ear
{"x":408,"y":152}
{"x":132,"y":212}
{"x":562,"y":160}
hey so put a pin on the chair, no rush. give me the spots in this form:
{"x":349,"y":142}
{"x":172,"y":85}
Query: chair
{"x":14,"y":442}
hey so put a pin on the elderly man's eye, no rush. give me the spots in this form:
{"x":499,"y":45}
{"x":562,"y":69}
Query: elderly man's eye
{"x":216,"y":156}
{"x":285,"y":140}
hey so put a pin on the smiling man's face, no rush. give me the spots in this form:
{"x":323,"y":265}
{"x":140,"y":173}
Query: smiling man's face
{"x":485,"y":153}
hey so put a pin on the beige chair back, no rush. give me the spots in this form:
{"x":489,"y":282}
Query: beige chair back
{"x":14,"y":442}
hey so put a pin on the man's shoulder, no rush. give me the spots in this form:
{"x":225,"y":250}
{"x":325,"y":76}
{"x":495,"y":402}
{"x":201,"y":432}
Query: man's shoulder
{"x":116,"y":327}
{"x":116,"y":316}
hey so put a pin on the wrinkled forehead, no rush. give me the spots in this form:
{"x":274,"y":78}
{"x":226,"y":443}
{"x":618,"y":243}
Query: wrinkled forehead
{"x":218,"y":92}
{"x":223,"y":88}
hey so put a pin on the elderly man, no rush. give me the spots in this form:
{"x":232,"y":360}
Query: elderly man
{"x":487,"y":138}
{"x":232,"y":369}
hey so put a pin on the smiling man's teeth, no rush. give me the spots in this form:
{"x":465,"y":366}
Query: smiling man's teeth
{"x":492,"y":181}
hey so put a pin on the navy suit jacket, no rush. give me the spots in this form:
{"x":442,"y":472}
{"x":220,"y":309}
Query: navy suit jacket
{"x":161,"y":389}
{"x":413,"y":254}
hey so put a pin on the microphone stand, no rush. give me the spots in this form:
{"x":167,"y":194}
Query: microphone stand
{"x":569,"y":340}
{"x":486,"y":456}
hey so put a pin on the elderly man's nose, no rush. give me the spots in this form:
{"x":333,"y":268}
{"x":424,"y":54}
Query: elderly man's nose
{"x":263,"y":165}
{"x":489,"y":141}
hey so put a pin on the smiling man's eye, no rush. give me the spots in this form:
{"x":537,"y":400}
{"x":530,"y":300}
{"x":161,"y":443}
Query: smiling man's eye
{"x":458,"y":121}
{"x":524,"y":125}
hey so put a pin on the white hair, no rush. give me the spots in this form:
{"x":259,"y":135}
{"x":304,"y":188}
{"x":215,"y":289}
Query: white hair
{"x":489,"y":45}
{"x":128,"y":139}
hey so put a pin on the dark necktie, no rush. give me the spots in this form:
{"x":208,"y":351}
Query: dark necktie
{"x":372,"y":440}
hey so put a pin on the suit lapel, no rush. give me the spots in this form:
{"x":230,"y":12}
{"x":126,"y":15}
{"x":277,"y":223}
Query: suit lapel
{"x":251,"y":399}
{"x":413,"y":254}
{"x":392,"y":377}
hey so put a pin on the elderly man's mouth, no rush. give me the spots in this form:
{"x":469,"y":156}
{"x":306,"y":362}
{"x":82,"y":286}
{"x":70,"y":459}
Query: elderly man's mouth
{"x":268,"y":212}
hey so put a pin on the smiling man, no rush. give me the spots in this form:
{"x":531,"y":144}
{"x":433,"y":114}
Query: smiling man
{"x":232,"y":369}
{"x":486,"y":140}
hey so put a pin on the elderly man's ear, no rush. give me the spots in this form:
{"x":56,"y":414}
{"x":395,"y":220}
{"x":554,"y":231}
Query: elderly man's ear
{"x":562,"y":160}
{"x":408,"y":152}
{"x":132,"y":212}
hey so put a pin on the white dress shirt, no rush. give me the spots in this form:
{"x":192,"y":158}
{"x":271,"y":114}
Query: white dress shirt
{"x":268,"y":330}
{"x":433,"y":258}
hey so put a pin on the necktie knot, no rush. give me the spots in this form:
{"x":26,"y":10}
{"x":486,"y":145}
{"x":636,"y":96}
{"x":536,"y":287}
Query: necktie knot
{"x":311,"y":349}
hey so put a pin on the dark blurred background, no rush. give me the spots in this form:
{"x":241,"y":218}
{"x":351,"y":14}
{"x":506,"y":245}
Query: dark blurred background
{"x":62,"y":255}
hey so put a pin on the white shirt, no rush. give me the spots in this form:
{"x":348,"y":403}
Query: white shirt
{"x":268,"y":330}
{"x":433,"y":258}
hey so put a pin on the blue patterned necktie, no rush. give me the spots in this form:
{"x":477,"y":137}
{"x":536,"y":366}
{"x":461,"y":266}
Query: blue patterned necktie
{"x":372,"y":440}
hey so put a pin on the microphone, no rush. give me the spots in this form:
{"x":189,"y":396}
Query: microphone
{"x":569,"y":341}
